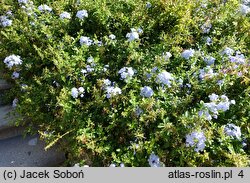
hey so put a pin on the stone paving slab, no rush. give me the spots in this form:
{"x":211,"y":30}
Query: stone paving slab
{"x":4,"y":85}
{"x":28,"y":152}
{"x":5,"y":120}
{"x":7,"y":127}
{"x":11,"y":132}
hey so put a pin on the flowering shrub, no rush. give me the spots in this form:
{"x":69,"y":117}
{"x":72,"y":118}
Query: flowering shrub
{"x":132,"y":82}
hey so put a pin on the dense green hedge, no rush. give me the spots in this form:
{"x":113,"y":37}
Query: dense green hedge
{"x":132,"y":82}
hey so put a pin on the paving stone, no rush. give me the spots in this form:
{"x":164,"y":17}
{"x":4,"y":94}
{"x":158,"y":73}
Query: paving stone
{"x":17,"y":152}
{"x":5,"y":119}
{"x":7,"y":128}
{"x":4,"y":85}
{"x":11,"y":132}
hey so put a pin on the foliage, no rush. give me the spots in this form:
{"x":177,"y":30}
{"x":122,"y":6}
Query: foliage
{"x":127,"y":127}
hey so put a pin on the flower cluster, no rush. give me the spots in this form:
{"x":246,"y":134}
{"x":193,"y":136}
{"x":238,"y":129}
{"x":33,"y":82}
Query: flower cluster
{"x":75,"y":92}
{"x":5,"y":21}
{"x":12,"y":60}
{"x":23,"y":1}
{"x":106,"y":82}
{"x":134,"y":34}
{"x":238,"y":58}
{"x":206,"y":27}
{"x":126,"y":73}
{"x":227,"y":51}
{"x":206,"y":72}
{"x":85,"y":41}
{"x":244,"y":9}
{"x":147,"y":92}
{"x":188,"y":54}
{"x":110,"y":90}
{"x":138,"y":83}
{"x":82,"y":14}
{"x":89,"y":67}
{"x":209,"y":60}
{"x":44,"y":8}
{"x":164,"y":78}
{"x":196,"y":139}
{"x":65,"y":15}
{"x":232,"y":130}
{"x":216,"y":104}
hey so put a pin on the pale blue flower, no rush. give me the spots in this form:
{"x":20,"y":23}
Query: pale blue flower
{"x":12,"y":60}
{"x":154,"y":160}
{"x":112,"y":36}
{"x":126,"y":73}
{"x":209,"y":41}
{"x":206,"y":72}
{"x":164,"y":78}
{"x":148,"y":5}
{"x":188,"y":53}
{"x":15,"y":75}
{"x":213,"y":97}
{"x":9,"y":13}
{"x":246,"y":2}
{"x":212,"y":107}
{"x":85,"y":41}
{"x":166,"y":55}
{"x":154,"y":69}
{"x":89,"y":68}
{"x":220,"y":82}
{"x":84,"y":71}
{"x":238,"y":58}
{"x":196,"y":139}
{"x":23,"y":1}
{"x":244,"y":9}
{"x":14,"y":103}
{"x":228,"y":51}
{"x":106,"y":82}
{"x":90,"y":59}
{"x":223,"y":106}
{"x":138,"y":111}
{"x":206,"y":27}
{"x":232,"y":130}
{"x":133,"y":35}
{"x":112,"y":91}
{"x":81,"y":89}
{"x":65,"y":15}
{"x":74,"y":92}
{"x":5,"y":21}
{"x":146,"y":91}
{"x":44,"y":8}
{"x":82,"y":14}
{"x":209,"y":60}
{"x":139,"y":30}
{"x":217,"y":104}
{"x":232,"y":102}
